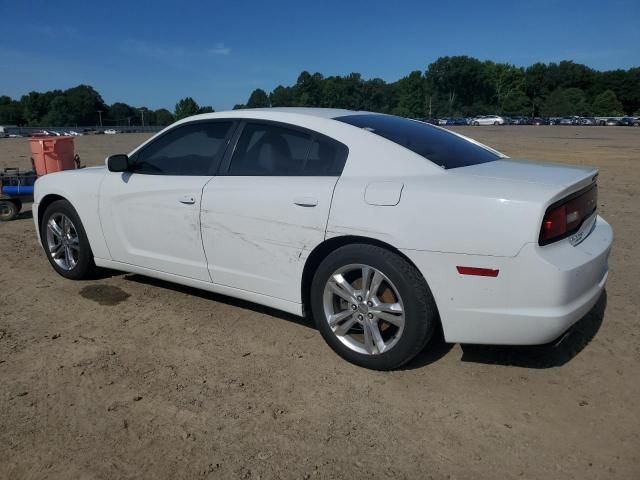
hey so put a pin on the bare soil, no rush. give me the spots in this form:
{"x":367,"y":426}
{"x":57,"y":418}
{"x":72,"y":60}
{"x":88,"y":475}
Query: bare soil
{"x":128,"y":377}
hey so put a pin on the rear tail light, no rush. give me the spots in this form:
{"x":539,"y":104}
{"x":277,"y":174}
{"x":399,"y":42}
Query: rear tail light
{"x":564,"y":218}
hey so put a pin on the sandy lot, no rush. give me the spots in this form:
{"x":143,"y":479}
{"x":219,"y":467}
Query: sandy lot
{"x":128,"y":377}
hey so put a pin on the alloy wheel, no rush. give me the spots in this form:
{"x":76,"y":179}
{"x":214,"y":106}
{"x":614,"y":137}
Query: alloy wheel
{"x":63,"y":243}
{"x":364,"y":309}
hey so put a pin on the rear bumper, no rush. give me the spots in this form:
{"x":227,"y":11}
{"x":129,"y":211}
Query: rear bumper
{"x":536,"y":296}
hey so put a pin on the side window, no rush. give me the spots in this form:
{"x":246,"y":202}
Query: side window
{"x":272,"y":150}
{"x":265,"y":149}
{"x":326,"y":157}
{"x":194,"y":149}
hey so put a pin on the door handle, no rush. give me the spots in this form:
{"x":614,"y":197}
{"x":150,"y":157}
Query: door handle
{"x":305,"y":201}
{"x":187,"y":199}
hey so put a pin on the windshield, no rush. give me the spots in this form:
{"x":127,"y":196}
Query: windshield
{"x":435,"y":144}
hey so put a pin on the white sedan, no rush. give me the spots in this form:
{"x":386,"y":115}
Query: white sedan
{"x":488,"y":120}
{"x":382,"y":229}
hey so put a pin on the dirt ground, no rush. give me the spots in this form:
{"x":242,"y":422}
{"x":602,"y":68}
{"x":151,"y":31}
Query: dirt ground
{"x":128,"y":377}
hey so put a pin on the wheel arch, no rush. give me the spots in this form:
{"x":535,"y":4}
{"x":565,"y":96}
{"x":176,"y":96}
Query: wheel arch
{"x":321,"y":251}
{"x":42,"y":207}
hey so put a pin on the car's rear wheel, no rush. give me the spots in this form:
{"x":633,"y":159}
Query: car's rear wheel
{"x":372,"y":306}
{"x":496,"y":123}
{"x":475,"y":124}
{"x":65,"y":241}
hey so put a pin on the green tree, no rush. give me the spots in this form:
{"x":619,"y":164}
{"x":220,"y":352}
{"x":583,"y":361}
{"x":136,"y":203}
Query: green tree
{"x":507,"y":80}
{"x":258,"y":99}
{"x":566,"y":101}
{"x":377,"y":96}
{"x":411,"y":91}
{"x":535,"y":86}
{"x":607,"y":104}
{"x":121,"y":114}
{"x":164,"y":117}
{"x":83,"y":104}
{"x":60,"y":113}
{"x":185,"y":108}
{"x":457,"y":82}
{"x":206,"y":109}
{"x":516,"y":102}
{"x":10,"y":112}
{"x":36,"y":105}
{"x":282,"y":97}
{"x":308,"y":90}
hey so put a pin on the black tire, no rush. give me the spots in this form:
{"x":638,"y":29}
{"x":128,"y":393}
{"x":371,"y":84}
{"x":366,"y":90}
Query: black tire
{"x":85,"y":266}
{"x":9,"y":209}
{"x":421,"y":314}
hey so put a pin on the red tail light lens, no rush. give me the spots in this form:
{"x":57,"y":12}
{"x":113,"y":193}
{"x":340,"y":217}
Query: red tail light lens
{"x":564,"y":218}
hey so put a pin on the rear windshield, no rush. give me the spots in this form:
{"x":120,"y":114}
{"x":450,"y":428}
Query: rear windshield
{"x":437,"y":145}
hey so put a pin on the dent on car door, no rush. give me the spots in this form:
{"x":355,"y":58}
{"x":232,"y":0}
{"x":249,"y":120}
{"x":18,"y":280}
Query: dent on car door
{"x":151,"y":214}
{"x":269,"y":207}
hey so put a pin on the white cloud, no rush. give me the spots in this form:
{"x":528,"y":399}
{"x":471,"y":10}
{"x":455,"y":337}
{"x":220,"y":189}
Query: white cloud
{"x":155,"y":50}
{"x":220,"y":49}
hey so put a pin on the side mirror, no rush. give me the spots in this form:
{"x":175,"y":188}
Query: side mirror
{"x":118,"y":163}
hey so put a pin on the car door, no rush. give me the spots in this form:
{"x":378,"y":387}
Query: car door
{"x":268,"y":207}
{"x":150,"y":215}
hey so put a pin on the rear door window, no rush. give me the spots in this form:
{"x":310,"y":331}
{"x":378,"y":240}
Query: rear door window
{"x":265,"y":149}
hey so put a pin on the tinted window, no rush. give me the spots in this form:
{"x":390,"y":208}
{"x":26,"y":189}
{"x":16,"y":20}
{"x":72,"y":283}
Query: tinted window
{"x":437,"y":145}
{"x":272,"y":150}
{"x":194,"y":149}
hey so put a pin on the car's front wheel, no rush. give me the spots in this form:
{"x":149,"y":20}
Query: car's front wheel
{"x":65,"y":241}
{"x":372,"y":306}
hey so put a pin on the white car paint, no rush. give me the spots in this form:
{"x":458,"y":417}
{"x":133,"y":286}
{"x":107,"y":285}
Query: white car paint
{"x":488,"y":120}
{"x":174,"y":244}
{"x":250,"y":237}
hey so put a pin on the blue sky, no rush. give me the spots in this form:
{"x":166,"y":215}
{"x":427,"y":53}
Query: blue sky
{"x":154,"y":53}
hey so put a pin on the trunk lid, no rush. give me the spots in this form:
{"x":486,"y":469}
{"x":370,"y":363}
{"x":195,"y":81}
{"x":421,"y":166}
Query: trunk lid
{"x":528,"y":171}
{"x":567,"y":194}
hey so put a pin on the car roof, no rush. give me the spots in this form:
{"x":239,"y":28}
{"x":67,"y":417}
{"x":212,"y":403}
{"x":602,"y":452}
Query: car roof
{"x":278,"y":113}
{"x":313,"y":112}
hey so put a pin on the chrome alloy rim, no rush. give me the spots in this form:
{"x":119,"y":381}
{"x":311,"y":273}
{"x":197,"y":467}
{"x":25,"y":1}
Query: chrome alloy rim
{"x":364,"y":309}
{"x":63,"y":243}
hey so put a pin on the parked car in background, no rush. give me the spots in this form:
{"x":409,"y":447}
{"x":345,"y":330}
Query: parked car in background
{"x":587,"y":121}
{"x":319,"y":237}
{"x":488,"y":120}
{"x":7,"y":130}
{"x":456,"y":121}
{"x":630,"y":122}
{"x":110,"y":131}
{"x":520,"y":120}
{"x":612,"y":122}
{"x":431,"y":121}
{"x":568,"y":120}
{"x":539,"y":121}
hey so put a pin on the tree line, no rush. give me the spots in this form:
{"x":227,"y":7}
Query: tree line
{"x":84,"y":106}
{"x":465,"y":86}
{"x":450,"y":86}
